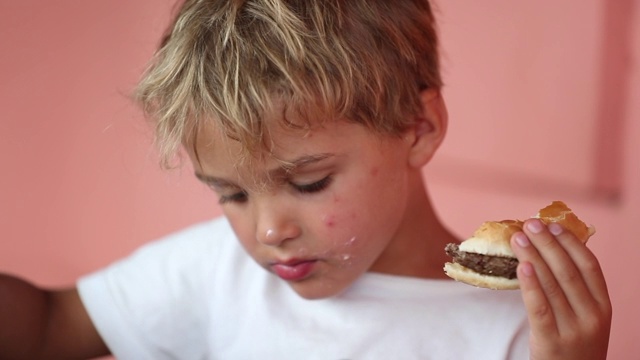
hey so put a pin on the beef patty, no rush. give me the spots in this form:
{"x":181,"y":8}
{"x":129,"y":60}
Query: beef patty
{"x":484,"y":264}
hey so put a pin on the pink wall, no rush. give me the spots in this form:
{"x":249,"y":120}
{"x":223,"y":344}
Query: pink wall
{"x":80,"y":184}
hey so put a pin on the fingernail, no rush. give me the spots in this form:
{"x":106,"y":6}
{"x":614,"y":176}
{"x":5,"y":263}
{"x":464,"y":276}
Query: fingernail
{"x":555,"y":229}
{"x":535,"y":226}
{"x":522,"y":240}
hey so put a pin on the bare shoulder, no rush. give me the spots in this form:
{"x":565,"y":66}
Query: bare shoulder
{"x":70,"y":331}
{"x":41,"y":323}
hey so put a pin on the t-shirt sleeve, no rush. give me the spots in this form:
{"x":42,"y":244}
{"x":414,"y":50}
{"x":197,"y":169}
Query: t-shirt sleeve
{"x":150,"y":305}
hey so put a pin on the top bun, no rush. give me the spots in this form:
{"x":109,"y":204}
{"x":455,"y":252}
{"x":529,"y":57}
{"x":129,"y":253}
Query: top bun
{"x":492,"y":238}
{"x":559,"y":212}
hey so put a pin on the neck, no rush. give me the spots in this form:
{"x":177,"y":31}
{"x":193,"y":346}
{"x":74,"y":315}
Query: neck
{"x":417,"y":250}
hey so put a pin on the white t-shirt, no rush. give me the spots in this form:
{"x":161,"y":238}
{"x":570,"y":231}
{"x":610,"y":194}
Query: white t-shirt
{"x":197,"y":295}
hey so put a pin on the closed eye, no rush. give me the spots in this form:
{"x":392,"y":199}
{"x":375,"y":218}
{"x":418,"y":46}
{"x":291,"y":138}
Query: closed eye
{"x":313,"y":187}
{"x":239,"y":197}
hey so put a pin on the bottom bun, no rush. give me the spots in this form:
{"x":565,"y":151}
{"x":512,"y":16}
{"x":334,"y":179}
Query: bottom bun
{"x":468,"y":276}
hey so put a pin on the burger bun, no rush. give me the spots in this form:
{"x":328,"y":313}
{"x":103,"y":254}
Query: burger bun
{"x":493,"y":238}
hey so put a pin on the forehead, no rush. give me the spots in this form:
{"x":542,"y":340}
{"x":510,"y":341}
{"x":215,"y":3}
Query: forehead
{"x":257,"y":146}
{"x":214,"y":153}
{"x":254,"y":134}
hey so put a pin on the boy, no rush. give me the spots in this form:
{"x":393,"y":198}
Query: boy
{"x":311,"y":121}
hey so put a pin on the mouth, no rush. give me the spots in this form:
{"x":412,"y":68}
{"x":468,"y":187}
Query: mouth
{"x":293,"y":270}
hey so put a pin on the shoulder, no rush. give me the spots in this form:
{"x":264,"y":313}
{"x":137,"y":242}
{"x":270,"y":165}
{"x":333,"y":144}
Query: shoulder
{"x":204,"y":239}
{"x":160,"y":297}
{"x":172,"y":264}
{"x":216,"y":231}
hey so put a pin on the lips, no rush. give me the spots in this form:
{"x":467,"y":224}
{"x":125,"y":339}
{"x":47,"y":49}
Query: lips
{"x":293,"y":270}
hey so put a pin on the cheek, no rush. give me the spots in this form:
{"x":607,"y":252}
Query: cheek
{"x":339,"y":220}
{"x":340,"y":232}
{"x":340,"y":229}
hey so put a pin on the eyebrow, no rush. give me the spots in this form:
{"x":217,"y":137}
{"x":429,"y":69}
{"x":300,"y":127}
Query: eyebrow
{"x":287,"y":167}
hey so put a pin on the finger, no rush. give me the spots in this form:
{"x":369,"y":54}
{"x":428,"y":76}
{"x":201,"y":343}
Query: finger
{"x":527,"y":252}
{"x":586,"y":263}
{"x":539,"y":312}
{"x":561,"y":264}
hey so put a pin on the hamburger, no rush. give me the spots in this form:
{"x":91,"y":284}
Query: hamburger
{"x":486,"y":259}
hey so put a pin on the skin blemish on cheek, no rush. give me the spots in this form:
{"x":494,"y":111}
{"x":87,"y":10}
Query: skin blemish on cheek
{"x":375,"y":171}
{"x":329,"y":220}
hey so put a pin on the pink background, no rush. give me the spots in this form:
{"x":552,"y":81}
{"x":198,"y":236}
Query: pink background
{"x":543,"y":99}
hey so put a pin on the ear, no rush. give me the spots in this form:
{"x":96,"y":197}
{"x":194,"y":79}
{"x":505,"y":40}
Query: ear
{"x":428,"y":129}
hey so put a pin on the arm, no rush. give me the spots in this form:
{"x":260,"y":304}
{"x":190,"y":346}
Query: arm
{"x":564,"y":292}
{"x":42,"y":324}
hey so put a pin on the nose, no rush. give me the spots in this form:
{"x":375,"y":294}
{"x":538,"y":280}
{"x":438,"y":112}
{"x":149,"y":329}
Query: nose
{"x":275,"y":224}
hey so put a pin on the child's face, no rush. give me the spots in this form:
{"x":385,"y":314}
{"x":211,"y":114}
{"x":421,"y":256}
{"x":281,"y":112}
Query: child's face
{"x":328,"y":220}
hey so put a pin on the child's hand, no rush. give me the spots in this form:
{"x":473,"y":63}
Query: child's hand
{"x":564,"y":292}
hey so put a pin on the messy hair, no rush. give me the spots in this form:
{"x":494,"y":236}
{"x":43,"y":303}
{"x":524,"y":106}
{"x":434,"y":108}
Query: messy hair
{"x":236,"y":61}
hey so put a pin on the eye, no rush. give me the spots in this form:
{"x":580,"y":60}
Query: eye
{"x":239,"y":197}
{"x":313,"y":187}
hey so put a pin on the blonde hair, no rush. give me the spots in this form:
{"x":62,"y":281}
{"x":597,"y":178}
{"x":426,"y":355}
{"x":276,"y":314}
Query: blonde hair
{"x":236,"y":61}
